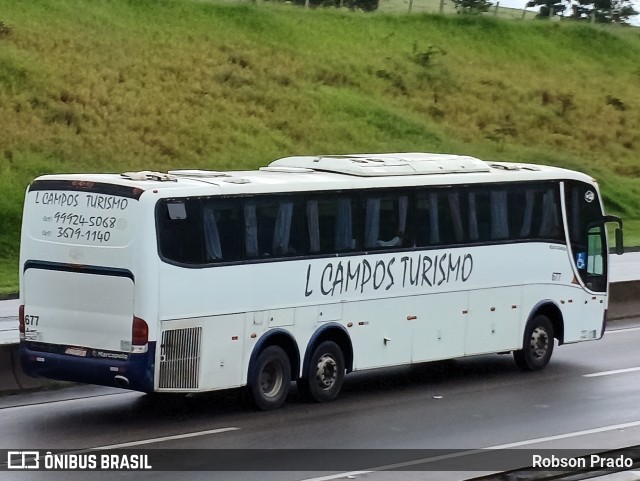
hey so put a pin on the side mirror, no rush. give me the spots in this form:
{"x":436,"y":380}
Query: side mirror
{"x":618,"y":232}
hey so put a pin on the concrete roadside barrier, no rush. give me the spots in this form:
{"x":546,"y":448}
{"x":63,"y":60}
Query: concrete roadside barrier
{"x":624,"y":300}
{"x":12,"y":378}
{"x":8,"y":381}
{"x":22,"y":380}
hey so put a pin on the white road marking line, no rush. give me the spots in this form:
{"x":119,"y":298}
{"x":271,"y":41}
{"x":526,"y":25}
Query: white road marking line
{"x":608,"y":373}
{"x":603,"y":429}
{"x":167,"y":438}
{"x":618,"y":331}
{"x":476,"y":451}
{"x":338,"y":476}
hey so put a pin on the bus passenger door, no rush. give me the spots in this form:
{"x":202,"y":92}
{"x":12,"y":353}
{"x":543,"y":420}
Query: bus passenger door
{"x":587,"y":236}
{"x":493,"y":322}
{"x":590,"y":264}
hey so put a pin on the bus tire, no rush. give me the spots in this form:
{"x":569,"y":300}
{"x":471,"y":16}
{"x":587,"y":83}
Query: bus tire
{"x":271,"y":379}
{"x":537,"y":346}
{"x":326,"y":373}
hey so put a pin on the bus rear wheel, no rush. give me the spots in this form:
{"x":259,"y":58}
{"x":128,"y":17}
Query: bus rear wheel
{"x":537,"y":346}
{"x":326,"y":373}
{"x":271,"y":378}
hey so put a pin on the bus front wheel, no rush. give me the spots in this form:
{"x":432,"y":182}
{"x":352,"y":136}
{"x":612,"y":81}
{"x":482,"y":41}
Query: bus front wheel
{"x":271,"y":378}
{"x":537,"y":346}
{"x":326,"y":373}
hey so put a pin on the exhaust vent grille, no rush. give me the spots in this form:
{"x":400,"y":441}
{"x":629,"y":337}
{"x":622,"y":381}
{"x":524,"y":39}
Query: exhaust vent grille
{"x":180,"y":358}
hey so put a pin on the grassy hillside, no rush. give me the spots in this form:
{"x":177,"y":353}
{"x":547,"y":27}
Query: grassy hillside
{"x":121,"y":85}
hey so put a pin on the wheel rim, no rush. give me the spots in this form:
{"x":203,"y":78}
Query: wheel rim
{"x":326,"y":371}
{"x":271,"y":379}
{"x":539,"y":345}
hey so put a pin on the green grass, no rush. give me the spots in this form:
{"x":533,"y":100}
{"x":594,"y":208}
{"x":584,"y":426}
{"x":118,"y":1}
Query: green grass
{"x":138,"y":84}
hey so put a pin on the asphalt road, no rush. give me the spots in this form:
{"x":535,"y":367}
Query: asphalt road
{"x":588,"y":397}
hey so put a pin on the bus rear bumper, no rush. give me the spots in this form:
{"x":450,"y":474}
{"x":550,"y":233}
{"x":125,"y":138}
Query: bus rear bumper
{"x":134,"y":372}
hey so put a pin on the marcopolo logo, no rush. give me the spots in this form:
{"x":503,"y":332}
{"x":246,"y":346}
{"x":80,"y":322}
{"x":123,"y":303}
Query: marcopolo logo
{"x":23,"y":460}
{"x":589,"y":196}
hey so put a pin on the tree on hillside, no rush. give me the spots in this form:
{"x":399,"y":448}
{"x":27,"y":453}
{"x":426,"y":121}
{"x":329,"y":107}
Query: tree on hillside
{"x":604,"y":11}
{"x":548,"y":8}
{"x":600,"y":11}
{"x":472,"y":6}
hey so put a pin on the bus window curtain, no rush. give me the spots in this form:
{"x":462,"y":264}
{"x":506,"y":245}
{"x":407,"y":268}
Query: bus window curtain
{"x":499,"y":215}
{"x":473,"y":217}
{"x":456,"y":216}
{"x":575,"y":214}
{"x":434,"y":225}
{"x":344,"y":237}
{"x":282,"y":229}
{"x":372,"y":223}
{"x":403,"y":207}
{"x":313,"y":224}
{"x":529,"y":197}
{"x":550,"y":225}
{"x":211,"y":235}
{"x":250,"y":229}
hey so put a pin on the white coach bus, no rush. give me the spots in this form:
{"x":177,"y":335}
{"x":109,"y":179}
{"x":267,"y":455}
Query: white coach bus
{"x":306,"y":270}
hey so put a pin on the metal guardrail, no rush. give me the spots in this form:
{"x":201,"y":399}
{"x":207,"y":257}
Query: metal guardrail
{"x":9,"y":321}
{"x":9,"y":330}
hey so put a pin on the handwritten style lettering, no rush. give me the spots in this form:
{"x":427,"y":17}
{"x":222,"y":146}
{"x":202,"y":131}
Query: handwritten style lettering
{"x":351,"y":276}
{"x":93,"y":201}
{"x":57,"y":198}
{"x":106,"y":202}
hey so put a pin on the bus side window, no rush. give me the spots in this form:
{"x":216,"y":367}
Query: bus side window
{"x":479,"y":216}
{"x":427,"y":220}
{"x":551,"y":225}
{"x":222,"y":230}
{"x":385,"y":220}
{"x":488,"y":215}
{"x":521,"y":206}
{"x":499,"y":214}
{"x":330,"y":225}
{"x":271,"y":227}
{"x":343,"y":237}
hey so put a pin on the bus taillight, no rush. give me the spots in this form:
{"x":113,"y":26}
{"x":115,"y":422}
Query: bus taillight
{"x":21,"y":327}
{"x":139,"y":335}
